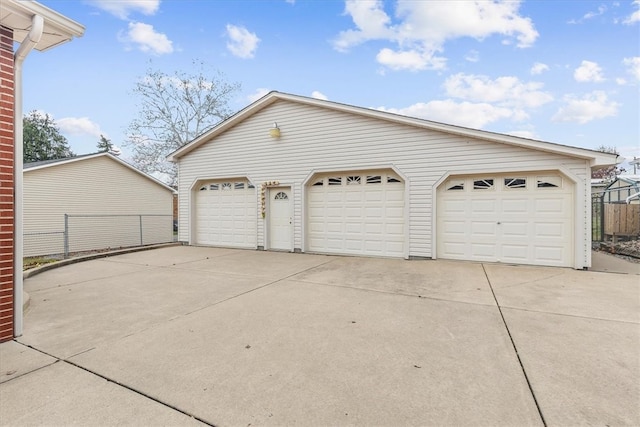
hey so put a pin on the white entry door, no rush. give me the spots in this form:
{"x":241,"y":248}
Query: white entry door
{"x":280,"y":219}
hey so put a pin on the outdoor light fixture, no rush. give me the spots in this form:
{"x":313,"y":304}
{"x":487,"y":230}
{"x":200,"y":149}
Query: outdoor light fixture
{"x":275,"y":131}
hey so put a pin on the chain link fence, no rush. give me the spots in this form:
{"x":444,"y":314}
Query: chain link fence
{"x":87,"y":233}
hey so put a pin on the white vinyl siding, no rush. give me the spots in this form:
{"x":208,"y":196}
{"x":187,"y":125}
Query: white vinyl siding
{"x":315,"y":139}
{"x":92,"y":186}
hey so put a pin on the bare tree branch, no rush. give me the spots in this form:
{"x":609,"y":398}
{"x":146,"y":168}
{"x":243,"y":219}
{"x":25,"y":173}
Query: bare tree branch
{"x":173,"y":110}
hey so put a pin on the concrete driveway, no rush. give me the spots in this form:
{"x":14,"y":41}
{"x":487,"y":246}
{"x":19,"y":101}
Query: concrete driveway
{"x":188,"y":336}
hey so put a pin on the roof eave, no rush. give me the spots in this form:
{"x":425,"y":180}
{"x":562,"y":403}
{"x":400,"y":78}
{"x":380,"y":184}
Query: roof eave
{"x":110,"y":156}
{"x":595,"y":158}
{"x":58,"y":28}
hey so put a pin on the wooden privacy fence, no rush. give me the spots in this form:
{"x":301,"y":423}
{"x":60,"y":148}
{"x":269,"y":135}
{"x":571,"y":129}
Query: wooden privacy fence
{"x":621,"y":220}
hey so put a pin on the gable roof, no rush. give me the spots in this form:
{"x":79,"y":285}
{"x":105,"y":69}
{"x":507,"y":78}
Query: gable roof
{"x":596,"y":158}
{"x":43,"y":164}
{"x":58,"y":29}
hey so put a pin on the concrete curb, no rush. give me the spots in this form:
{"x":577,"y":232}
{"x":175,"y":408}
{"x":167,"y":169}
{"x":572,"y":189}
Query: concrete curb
{"x":34,"y":271}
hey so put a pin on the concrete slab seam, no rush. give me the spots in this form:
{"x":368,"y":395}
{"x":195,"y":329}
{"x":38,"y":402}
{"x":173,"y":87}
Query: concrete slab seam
{"x":391,"y":293}
{"x":252,"y":290}
{"x":515,"y":285}
{"x":515,"y":349}
{"x":86,"y":281}
{"x":33,"y":370}
{"x":575,"y":316}
{"x":141,"y":393}
{"x":202,"y":259}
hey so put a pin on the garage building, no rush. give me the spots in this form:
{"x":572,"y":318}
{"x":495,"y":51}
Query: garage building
{"x":300,"y":174}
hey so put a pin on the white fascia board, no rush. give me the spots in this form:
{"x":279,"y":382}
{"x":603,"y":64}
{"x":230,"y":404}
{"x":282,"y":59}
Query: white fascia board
{"x":58,"y":28}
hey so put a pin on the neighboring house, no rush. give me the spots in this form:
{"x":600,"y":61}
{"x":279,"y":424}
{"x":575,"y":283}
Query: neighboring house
{"x":624,"y":189}
{"x":108,"y":203}
{"x":299,"y":174}
{"x":32,"y":26}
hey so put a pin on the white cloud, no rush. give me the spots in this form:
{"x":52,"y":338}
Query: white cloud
{"x":79,"y":126}
{"x":588,"y":72}
{"x":242,"y":43}
{"x":592,"y":106}
{"x":506,"y":91}
{"x":412,"y":60}
{"x":122,"y":8}
{"x":423,"y":27}
{"x":472,"y":56}
{"x":539,"y":68}
{"x":259,"y":93}
{"x":473,"y":115}
{"x":633,"y":66}
{"x":319,"y":95}
{"x":371,"y":21}
{"x":146,"y":39}
{"x":635,"y":16}
{"x":601,"y":10}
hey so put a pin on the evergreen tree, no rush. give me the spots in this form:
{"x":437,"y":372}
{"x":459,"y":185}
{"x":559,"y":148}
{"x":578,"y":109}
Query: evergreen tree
{"x":105,"y":145}
{"x":42,"y":139}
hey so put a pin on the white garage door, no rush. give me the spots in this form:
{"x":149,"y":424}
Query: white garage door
{"x":356,"y":214}
{"x":521,"y":219}
{"x":226,"y":214}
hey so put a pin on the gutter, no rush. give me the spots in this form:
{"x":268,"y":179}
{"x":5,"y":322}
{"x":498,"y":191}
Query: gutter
{"x":32,"y":39}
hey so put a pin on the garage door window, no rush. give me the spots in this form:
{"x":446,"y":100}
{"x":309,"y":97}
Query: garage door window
{"x":335,"y":180}
{"x":549,"y":181}
{"x":515,"y":183}
{"x":375,"y":179}
{"x":353,"y":180}
{"x":455,"y":186}
{"x":483,"y":184}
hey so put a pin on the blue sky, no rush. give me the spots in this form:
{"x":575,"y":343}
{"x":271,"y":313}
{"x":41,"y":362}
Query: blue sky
{"x":566,"y":72}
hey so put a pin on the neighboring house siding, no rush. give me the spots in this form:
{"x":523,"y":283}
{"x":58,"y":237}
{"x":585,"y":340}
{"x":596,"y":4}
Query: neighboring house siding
{"x":94,"y":186}
{"x":322,"y":139}
{"x":6,"y":183}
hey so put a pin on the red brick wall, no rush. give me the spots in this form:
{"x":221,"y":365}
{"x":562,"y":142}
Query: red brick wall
{"x":6,"y":183}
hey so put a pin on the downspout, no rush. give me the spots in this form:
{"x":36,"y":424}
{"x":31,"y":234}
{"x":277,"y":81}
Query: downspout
{"x":37,"y":27}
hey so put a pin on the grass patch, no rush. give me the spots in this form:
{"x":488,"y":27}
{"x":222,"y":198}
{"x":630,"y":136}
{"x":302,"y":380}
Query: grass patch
{"x":33,"y":262}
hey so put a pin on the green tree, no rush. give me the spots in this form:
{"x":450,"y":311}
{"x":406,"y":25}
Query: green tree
{"x":173,"y":110}
{"x":42,"y":139}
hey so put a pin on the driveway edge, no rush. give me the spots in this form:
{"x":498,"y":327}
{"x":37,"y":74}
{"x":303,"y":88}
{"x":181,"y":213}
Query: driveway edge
{"x":35,"y":271}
